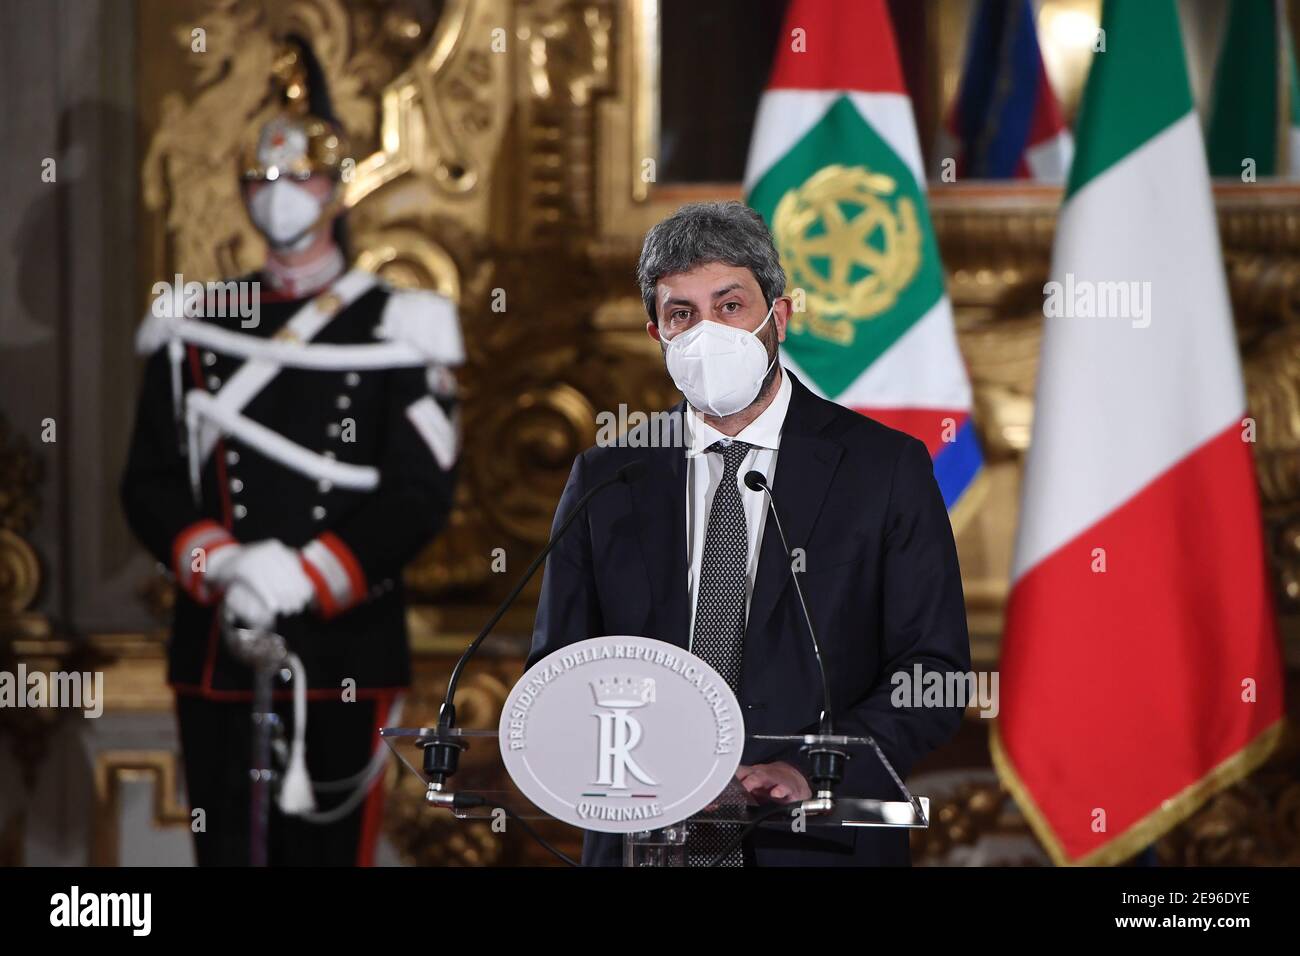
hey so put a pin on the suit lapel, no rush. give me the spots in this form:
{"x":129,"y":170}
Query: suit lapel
{"x":805,"y":464}
{"x":660,"y":502}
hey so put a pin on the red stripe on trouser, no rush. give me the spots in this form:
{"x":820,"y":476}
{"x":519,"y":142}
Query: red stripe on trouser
{"x":373,"y":812}
{"x":1120,"y":689}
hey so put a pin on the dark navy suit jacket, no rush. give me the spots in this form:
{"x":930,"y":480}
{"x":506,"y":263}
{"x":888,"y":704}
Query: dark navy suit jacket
{"x":881,"y":580}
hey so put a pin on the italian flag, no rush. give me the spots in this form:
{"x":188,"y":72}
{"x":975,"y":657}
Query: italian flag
{"x":835,"y":170}
{"x":1140,"y":665}
{"x":1255,"y":109}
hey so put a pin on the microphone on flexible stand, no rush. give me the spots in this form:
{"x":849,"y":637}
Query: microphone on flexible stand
{"x":827,"y":757}
{"x":827,"y":761}
{"x":442,"y":752}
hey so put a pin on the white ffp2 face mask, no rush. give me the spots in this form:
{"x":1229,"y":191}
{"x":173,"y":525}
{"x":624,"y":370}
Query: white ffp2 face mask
{"x":285,"y":213}
{"x":719,"y":368}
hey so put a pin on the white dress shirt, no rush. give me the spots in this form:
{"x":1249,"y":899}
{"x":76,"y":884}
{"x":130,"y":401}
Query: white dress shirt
{"x":704,"y":473}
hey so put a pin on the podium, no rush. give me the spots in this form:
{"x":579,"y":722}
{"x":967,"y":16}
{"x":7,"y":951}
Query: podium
{"x":629,"y":735}
{"x":478,"y":793}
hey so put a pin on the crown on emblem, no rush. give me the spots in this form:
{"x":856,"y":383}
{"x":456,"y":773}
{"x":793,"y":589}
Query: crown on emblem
{"x":623,"y":690}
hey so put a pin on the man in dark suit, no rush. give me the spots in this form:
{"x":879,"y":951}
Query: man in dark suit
{"x":686,"y":553}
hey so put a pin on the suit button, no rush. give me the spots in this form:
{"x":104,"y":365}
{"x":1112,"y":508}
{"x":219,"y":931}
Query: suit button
{"x":329,"y":454}
{"x":232,"y":458}
{"x":324,"y":486}
{"x":333,"y":429}
{"x":214,"y":383}
{"x":318,"y":513}
{"x":240,"y":511}
{"x":352,"y":379}
{"x":209,"y":358}
{"x":236,"y":485}
{"x":343,"y":402}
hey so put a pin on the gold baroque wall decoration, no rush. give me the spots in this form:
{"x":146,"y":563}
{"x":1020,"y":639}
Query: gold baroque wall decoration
{"x":1255,"y":822}
{"x":567,"y":48}
{"x":20,"y":476}
{"x":407,"y":259}
{"x":997,"y":254}
{"x":113,"y":768}
{"x":1260,"y":229}
{"x":26,"y":637}
{"x":1273,"y":387}
{"x":1273,"y":383}
{"x":20,"y":580}
{"x":441,"y":117}
{"x":22,"y":630}
{"x":977,"y":809}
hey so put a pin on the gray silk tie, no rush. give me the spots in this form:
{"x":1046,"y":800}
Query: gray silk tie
{"x":719,"y":634}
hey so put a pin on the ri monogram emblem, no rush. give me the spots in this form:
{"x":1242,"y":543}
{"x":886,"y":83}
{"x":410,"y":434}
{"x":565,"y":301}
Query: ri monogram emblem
{"x":662,"y":741}
{"x":620,"y":731}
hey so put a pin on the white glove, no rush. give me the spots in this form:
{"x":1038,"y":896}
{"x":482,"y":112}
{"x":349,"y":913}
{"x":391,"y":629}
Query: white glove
{"x":274,"y":573}
{"x":221,"y":564}
{"x":242,"y":603}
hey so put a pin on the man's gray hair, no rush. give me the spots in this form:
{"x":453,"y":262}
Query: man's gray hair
{"x":703,"y":232}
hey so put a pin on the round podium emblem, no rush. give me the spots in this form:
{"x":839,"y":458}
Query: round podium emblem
{"x":619,"y":734}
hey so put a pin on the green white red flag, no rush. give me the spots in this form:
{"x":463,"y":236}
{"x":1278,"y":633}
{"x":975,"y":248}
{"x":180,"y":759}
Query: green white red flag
{"x":835,"y":170}
{"x":1140,"y":665}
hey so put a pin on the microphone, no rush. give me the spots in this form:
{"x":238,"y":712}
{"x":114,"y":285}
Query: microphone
{"x":827,"y":762}
{"x":442,"y":755}
{"x":757,"y":481}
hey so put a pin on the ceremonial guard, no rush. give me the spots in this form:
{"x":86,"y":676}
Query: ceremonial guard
{"x":287,"y":462}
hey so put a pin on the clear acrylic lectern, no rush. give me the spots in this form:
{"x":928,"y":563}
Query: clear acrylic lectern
{"x":484,"y":792}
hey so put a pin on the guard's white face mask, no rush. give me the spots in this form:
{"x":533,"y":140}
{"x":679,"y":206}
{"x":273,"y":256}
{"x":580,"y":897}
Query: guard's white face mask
{"x":285,"y":213}
{"x":719,"y":368}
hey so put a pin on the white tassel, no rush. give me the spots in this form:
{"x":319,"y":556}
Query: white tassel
{"x":296,"y":795}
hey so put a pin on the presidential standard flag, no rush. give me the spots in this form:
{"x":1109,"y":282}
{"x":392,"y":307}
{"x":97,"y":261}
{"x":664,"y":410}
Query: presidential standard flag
{"x":1254,"y":125}
{"x":835,"y":170}
{"x":1140,"y":668}
{"x":1005,"y":122}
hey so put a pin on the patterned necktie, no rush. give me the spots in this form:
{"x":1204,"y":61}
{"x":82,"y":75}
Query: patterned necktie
{"x":719,"y":634}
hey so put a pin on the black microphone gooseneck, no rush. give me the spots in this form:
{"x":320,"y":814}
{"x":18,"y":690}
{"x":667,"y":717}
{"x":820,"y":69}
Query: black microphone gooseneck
{"x":442,"y":754}
{"x":827,"y":762}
